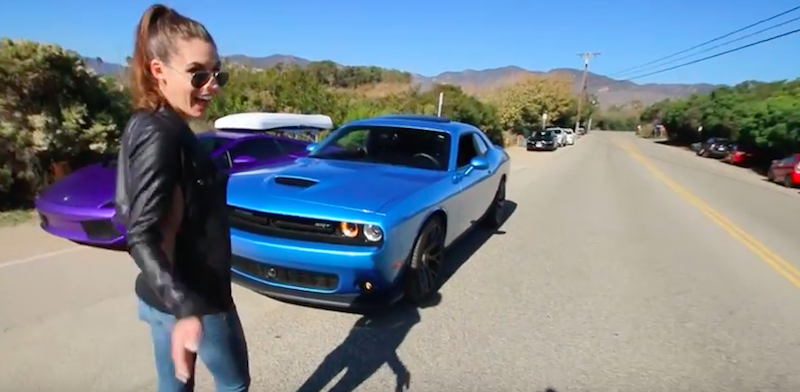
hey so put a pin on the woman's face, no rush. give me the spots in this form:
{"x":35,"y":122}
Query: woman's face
{"x":187,"y":81}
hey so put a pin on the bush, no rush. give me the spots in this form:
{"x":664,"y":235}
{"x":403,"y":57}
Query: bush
{"x":52,"y":108}
{"x":759,"y":116}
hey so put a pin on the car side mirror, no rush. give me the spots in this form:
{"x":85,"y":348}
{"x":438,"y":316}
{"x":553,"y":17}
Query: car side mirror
{"x":244,"y":160}
{"x":480,"y":163}
{"x":311,"y":147}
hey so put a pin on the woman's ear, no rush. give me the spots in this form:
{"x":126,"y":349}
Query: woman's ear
{"x":157,"y":69}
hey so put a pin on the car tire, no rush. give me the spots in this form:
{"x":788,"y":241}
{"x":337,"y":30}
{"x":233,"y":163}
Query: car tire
{"x":787,"y":181}
{"x":426,"y":260}
{"x":493,"y":217}
{"x":770,"y":176}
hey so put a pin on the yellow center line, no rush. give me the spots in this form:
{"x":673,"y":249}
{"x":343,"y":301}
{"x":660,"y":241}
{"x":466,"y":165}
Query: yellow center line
{"x":778,"y":263}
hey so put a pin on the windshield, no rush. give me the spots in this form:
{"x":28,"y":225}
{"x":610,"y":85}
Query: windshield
{"x":540,"y":135}
{"x":556,"y":130}
{"x":422,"y":149}
{"x":209,"y":144}
{"x":299,"y":133}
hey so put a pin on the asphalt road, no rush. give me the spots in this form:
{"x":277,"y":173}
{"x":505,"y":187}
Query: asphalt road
{"x":624,"y":266}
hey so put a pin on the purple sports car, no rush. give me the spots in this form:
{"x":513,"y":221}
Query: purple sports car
{"x":79,"y":207}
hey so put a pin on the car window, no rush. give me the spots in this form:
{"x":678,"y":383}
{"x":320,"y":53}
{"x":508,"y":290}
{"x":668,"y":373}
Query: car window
{"x":418,"y":148}
{"x":290,"y":146}
{"x":256,"y":148}
{"x":480,"y":145}
{"x":466,"y":150}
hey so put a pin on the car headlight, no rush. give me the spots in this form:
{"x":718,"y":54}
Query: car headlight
{"x":349,"y":230}
{"x":373,"y":233}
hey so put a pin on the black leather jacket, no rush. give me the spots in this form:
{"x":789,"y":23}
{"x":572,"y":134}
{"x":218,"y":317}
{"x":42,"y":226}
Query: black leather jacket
{"x":159,"y":155}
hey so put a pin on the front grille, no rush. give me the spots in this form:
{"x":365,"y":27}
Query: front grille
{"x":291,"y":227}
{"x":100,"y":230}
{"x":288,"y":276}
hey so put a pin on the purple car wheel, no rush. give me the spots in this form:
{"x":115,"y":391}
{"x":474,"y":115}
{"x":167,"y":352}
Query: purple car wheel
{"x":426,"y":261}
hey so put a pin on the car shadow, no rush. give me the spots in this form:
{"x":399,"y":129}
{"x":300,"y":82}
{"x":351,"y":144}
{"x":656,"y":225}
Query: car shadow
{"x":119,"y":248}
{"x":461,"y":250}
{"x":372,"y":342}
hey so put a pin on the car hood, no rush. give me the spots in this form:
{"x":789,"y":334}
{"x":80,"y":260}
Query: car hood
{"x":91,"y":187}
{"x":351,"y":185}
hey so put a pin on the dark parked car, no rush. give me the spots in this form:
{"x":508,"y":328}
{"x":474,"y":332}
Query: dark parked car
{"x":543,"y":140}
{"x":715,"y":147}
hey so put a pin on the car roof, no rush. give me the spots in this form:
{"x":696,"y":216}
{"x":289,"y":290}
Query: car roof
{"x":262,"y":121}
{"x":417,"y":121}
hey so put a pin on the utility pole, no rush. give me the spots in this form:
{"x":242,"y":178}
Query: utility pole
{"x":582,"y":95}
{"x":441,"y":101}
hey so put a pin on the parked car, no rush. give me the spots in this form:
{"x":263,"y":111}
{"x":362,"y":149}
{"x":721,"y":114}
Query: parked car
{"x":738,"y":156}
{"x":561,"y":137}
{"x":569,"y":136}
{"x":785,"y":171}
{"x":365,"y":219}
{"x":80,"y":206}
{"x":715,"y":147}
{"x":542,"y":140}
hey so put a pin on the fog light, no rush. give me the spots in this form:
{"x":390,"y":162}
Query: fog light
{"x":366,"y":286}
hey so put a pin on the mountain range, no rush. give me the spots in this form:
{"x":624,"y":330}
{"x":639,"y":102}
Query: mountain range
{"x":608,"y":91}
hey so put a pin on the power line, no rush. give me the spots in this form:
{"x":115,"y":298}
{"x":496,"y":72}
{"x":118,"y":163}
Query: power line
{"x":717,"y":55}
{"x":708,"y":42}
{"x":721,"y":45}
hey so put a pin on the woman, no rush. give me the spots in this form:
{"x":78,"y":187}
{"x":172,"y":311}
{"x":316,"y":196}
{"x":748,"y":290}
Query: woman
{"x":172,"y":199}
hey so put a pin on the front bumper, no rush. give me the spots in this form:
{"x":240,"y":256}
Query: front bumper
{"x":543,"y":147}
{"x":317,"y":274}
{"x":83,"y":225}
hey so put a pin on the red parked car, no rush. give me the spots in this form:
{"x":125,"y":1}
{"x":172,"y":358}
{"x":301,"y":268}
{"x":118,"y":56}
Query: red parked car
{"x":738,"y":157}
{"x":785,"y":171}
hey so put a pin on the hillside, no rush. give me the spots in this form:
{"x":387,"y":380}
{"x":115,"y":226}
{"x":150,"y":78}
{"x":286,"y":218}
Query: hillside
{"x":609,"y":91}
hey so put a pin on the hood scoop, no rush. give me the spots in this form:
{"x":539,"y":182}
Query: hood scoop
{"x":294,"y":181}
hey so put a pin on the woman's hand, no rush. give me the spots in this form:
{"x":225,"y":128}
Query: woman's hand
{"x":185,"y":341}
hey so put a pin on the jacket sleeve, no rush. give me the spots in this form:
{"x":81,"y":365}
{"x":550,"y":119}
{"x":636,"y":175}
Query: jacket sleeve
{"x":154,"y":172}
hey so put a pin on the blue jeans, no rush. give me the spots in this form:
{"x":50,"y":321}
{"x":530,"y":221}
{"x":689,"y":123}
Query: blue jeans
{"x":223,"y":350}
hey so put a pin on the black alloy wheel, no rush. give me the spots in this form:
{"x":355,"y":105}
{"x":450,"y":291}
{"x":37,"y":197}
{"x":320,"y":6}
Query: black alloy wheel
{"x":493,"y":217}
{"x":426,"y":262}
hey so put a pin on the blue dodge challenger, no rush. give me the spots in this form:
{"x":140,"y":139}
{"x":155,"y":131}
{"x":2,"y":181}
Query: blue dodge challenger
{"x":365,"y":219}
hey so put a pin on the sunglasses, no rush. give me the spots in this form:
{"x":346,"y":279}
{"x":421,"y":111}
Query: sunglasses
{"x":201,"y":77}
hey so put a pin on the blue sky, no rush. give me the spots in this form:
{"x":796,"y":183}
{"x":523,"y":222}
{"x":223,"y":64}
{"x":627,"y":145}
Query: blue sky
{"x":445,"y":35}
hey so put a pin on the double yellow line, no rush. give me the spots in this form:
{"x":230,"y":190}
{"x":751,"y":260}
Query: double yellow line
{"x":779,"y":264}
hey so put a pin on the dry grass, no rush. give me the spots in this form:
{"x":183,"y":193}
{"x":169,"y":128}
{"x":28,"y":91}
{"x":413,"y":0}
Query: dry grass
{"x":15,"y":217}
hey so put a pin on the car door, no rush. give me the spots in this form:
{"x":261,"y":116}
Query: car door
{"x":470,"y":181}
{"x":486,"y":187}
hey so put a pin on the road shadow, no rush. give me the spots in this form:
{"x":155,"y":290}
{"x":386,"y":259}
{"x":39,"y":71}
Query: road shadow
{"x":462,"y":249}
{"x":372,"y":342}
